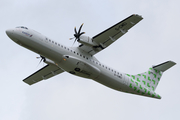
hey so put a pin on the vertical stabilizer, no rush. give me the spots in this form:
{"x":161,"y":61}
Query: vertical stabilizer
{"x":147,"y":82}
{"x":152,"y":77}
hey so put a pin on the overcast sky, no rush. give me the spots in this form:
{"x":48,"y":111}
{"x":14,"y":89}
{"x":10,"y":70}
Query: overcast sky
{"x":154,"y":40}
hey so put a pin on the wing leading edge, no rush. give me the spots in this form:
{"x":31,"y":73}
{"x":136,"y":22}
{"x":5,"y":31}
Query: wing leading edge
{"x":110,"y":35}
{"x":44,"y":73}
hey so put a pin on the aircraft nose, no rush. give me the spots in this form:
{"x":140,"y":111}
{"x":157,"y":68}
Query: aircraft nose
{"x":9,"y":32}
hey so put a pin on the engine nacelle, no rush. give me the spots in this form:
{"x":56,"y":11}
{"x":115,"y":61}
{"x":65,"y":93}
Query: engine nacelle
{"x":48,"y":61}
{"x":87,"y":40}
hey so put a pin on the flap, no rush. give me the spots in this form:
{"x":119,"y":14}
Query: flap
{"x":42,"y":74}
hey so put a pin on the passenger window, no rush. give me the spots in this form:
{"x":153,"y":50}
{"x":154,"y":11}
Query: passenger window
{"x":52,"y":41}
{"x":58,"y":44}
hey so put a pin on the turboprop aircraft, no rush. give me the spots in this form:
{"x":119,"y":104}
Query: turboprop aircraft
{"x":80,"y":61}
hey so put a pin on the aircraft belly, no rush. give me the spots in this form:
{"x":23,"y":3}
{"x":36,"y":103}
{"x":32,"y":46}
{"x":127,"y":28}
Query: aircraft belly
{"x":110,"y":80}
{"x":78,"y":67}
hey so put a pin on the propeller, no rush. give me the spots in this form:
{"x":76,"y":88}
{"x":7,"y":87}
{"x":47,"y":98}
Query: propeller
{"x":77,"y":34}
{"x":42,"y":59}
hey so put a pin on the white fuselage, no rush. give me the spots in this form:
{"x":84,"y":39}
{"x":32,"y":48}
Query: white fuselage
{"x":70,"y":59}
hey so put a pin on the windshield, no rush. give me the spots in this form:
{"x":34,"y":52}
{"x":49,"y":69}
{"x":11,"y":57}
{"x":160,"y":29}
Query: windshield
{"x":22,"y":27}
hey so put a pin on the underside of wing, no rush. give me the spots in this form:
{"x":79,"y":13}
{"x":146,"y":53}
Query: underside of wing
{"x":42,"y":74}
{"x":110,"y":35}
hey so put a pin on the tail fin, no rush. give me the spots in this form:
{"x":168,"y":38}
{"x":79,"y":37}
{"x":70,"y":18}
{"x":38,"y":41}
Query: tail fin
{"x":151,"y":78}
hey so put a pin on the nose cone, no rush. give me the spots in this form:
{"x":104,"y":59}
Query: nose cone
{"x":9,"y":32}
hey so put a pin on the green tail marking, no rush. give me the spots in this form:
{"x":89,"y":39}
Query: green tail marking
{"x":160,"y":74}
{"x":138,"y":80}
{"x":159,"y":96}
{"x":133,"y":76}
{"x":153,"y":88}
{"x":149,"y":79}
{"x":135,"y":88}
{"x":136,"y":83}
{"x":145,"y":90}
{"x":138,"y":91}
{"x":140,"y":87}
{"x":155,"y":75}
{"x":130,"y":85}
{"x":144,"y":76}
{"x":144,"y":82}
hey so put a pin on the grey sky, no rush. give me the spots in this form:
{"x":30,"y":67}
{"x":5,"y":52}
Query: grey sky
{"x":152,"y":41}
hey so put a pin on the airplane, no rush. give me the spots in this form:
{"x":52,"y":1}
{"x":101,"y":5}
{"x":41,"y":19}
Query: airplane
{"x":80,"y":61}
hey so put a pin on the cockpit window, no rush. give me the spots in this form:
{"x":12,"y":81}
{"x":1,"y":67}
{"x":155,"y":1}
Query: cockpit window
{"x":22,"y":27}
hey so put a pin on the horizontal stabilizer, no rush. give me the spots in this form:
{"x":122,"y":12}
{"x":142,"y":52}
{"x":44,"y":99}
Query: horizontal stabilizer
{"x":164,"y":66}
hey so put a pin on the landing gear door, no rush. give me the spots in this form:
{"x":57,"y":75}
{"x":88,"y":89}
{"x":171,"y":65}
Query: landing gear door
{"x":80,"y":65}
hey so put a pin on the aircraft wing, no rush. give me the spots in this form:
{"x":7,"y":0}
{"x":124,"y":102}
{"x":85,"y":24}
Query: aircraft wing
{"x":44,"y":73}
{"x":110,"y":35}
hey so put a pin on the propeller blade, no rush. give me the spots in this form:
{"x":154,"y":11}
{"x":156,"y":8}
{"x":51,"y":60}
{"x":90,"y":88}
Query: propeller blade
{"x":71,"y":38}
{"x":39,"y":61}
{"x":75,"y":30}
{"x":74,"y":41}
{"x":80,"y":29}
{"x":82,"y":33}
